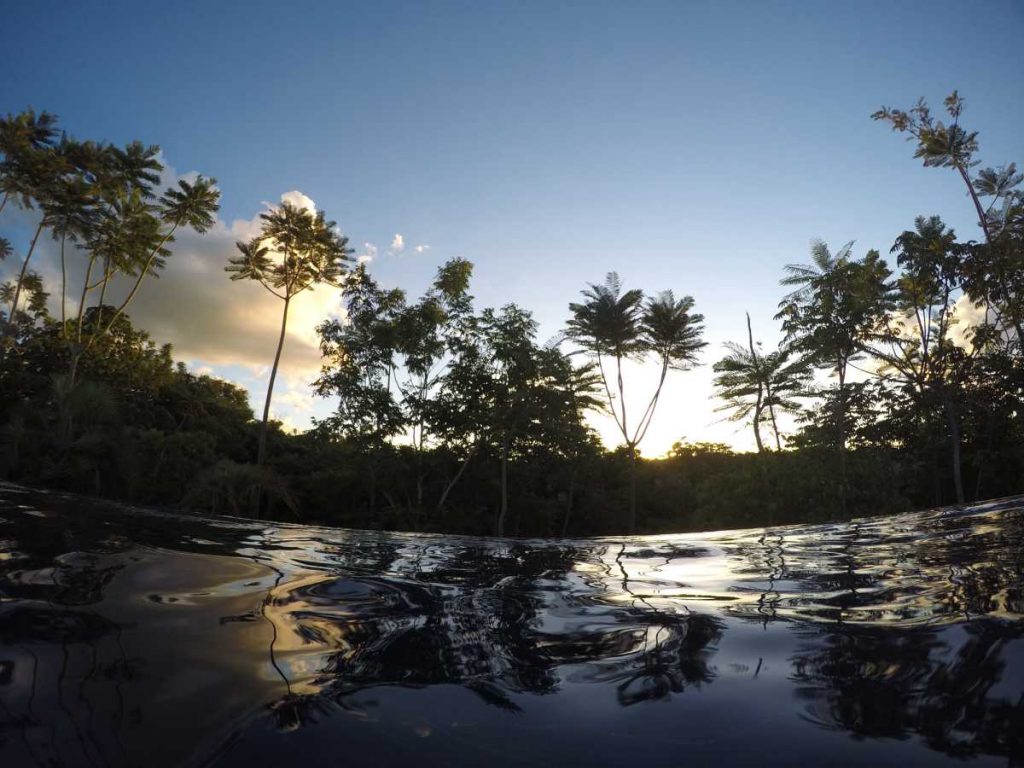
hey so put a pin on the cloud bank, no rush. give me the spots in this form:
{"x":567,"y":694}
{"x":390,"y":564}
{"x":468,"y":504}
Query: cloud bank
{"x":218,"y":326}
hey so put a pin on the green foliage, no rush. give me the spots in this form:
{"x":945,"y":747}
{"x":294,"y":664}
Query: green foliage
{"x":907,"y":384}
{"x":228,"y":488}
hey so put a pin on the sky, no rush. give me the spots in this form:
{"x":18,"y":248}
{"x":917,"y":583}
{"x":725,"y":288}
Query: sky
{"x":692,"y":146}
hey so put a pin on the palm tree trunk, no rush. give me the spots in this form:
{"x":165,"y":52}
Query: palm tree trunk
{"x":261,"y":453}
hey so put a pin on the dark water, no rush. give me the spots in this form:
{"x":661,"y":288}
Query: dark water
{"x":129,"y":638}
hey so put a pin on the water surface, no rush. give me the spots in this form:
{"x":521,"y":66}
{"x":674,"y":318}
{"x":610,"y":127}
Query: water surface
{"x":135,"y":638}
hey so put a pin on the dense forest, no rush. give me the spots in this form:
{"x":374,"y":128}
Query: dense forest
{"x":902,"y":373}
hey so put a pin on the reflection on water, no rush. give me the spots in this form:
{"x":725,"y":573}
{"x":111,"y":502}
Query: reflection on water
{"x":131,"y":638}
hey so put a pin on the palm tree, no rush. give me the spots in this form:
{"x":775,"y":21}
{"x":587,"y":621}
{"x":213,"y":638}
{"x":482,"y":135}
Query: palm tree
{"x":191,"y":204}
{"x":614,"y":324}
{"x":101,"y":198}
{"x":295,"y":250}
{"x":752,"y":384}
{"x":952,"y":146}
{"x":25,"y":139}
{"x":940,"y":145}
{"x":124,"y":229}
{"x":785,"y":380}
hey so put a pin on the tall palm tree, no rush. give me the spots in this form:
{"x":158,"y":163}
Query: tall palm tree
{"x":614,"y":324}
{"x":295,"y":250}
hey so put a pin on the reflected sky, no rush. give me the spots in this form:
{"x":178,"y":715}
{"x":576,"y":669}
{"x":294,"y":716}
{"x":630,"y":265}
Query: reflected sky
{"x":133,"y":638}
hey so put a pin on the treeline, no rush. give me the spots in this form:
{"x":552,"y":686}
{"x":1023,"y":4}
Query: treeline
{"x":904,"y":381}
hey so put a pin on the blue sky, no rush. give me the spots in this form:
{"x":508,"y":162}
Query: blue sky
{"x":692,"y":146}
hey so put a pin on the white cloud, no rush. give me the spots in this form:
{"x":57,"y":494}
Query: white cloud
{"x":298,"y":400}
{"x":397,"y":244}
{"x":369,"y":253}
{"x":422,"y":248}
{"x":210,"y":320}
{"x":299,"y":200}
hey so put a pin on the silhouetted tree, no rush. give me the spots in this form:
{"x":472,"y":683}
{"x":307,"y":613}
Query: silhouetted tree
{"x":621,"y":326}
{"x":296,"y":249}
{"x":838,"y":301}
{"x":758,"y":387}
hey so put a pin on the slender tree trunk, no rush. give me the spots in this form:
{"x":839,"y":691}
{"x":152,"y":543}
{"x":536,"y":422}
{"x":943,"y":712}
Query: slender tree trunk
{"x":632,"y":489}
{"x":73,"y":359}
{"x":142,"y":276}
{"x":373,"y":492}
{"x":454,"y":480}
{"x":953,"y":420}
{"x":775,"y":428}
{"x":983,"y":222}
{"x":75,"y":348}
{"x":568,"y":505}
{"x":99,"y":304}
{"x":419,"y":468}
{"x":841,"y":424}
{"x":3,"y":201}
{"x":81,"y":301}
{"x":63,"y":289}
{"x":982,"y":219}
{"x":503,"y":511}
{"x":21,"y":275}
{"x":622,"y":395}
{"x":757,"y":428}
{"x":990,"y":424}
{"x":760,"y":399}
{"x":261,"y":453}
